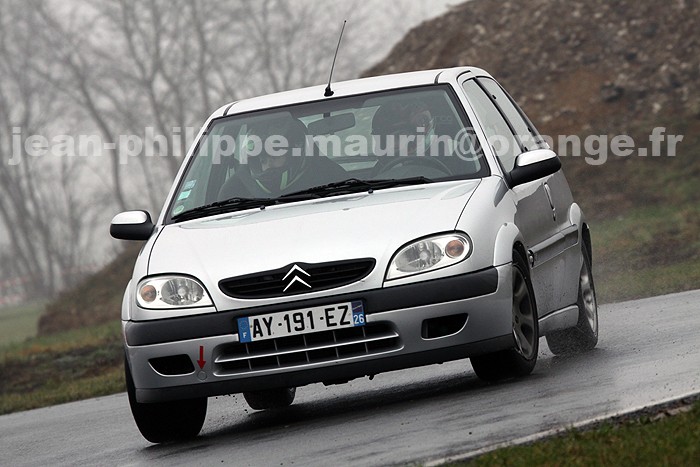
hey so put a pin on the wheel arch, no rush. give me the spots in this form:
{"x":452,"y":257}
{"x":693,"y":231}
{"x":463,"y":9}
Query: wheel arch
{"x":576,"y":217}
{"x":508,"y":238}
{"x":520,"y":248}
{"x":126,"y":303}
{"x":586,"y":238}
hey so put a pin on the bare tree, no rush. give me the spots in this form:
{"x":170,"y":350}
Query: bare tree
{"x":117,"y":67}
{"x":133,"y":64}
{"x":38,"y":201}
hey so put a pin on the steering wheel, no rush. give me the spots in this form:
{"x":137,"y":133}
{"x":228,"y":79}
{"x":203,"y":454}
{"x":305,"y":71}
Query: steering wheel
{"x":423,"y":161}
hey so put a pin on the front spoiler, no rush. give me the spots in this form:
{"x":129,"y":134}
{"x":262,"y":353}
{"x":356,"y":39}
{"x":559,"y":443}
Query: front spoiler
{"x":329,"y":375}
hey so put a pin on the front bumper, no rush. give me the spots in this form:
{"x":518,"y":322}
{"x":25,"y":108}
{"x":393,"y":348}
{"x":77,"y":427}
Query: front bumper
{"x":410,"y":325}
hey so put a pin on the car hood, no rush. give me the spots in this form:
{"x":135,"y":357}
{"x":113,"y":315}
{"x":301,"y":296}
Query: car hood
{"x":344,"y":227}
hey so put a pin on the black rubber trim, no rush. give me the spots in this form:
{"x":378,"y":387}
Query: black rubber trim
{"x":229,"y":108}
{"x":532,"y":172}
{"x":447,"y":289}
{"x":465,"y":72}
{"x":339,"y":373}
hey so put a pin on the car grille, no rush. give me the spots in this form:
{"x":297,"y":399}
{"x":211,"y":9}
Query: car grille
{"x":279,"y":282}
{"x":294,"y":351}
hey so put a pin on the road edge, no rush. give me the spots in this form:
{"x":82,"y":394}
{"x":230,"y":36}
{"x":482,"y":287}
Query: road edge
{"x":669,"y":406}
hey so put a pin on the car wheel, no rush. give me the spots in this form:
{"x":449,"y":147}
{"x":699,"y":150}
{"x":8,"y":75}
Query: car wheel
{"x":160,"y":422}
{"x":584,"y":336}
{"x":519,"y":360}
{"x":270,"y":399}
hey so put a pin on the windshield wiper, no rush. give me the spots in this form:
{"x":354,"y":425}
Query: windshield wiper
{"x":346,"y":186}
{"x":355,"y":184}
{"x":220,"y":207}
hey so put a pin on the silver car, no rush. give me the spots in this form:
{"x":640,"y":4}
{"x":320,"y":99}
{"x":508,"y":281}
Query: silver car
{"x":404,"y":220}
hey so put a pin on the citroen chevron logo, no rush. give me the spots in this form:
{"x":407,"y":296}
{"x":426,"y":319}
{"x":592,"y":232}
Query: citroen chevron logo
{"x":296,"y":278}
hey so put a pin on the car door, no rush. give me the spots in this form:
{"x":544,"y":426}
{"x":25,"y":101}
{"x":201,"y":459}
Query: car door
{"x":557,"y":259}
{"x":541,"y":205}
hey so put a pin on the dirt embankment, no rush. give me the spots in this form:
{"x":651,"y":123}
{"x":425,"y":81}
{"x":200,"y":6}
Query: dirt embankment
{"x":578,"y":67}
{"x":572,"y":64}
{"x":96,"y":300}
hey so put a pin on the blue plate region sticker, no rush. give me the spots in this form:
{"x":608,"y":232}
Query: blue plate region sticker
{"x":244,"y":330}
{"x":358,"y":314}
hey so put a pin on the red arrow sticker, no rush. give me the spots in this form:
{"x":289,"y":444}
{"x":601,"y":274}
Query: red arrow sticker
{"x":201,"y":360}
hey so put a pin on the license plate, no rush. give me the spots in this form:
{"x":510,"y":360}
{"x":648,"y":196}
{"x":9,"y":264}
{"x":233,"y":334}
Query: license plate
{"x":302,"y":321}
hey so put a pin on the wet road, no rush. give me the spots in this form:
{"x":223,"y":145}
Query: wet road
{"x":649,"y":351}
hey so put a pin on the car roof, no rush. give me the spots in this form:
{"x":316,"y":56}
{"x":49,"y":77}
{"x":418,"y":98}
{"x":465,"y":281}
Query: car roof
{"x":349,"y":88}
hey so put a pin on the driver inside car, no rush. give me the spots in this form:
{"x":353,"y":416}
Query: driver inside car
{"x":405,"y":133}
{"x":294,"y":166}
{"x":407,"y":127}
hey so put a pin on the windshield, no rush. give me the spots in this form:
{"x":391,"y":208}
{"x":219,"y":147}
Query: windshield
{"x":371,"y":141}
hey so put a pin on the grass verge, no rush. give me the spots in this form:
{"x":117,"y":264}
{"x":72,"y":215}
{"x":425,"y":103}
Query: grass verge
{"x":19,"y":322}
{"x":61,"y":368}
{"x":648,"y":440}
{"x":647,"y":252}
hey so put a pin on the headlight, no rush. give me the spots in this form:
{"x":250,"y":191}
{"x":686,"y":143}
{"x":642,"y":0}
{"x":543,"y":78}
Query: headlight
{"x":167,"y":292}
{"x":429,"y":254}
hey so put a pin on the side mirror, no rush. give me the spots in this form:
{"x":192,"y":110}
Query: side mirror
{"x":533,"y":165}
{"x":132,"y":225}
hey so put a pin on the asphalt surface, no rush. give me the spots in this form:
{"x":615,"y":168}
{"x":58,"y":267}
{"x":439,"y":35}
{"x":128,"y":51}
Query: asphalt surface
{"x":649,"y":351}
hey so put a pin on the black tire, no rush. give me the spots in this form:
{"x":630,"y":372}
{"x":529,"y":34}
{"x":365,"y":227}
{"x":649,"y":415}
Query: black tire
{"x":270,"y":399}
{"x":161,"y":422}
{"x":584,"y":336}
{"x":521,"y":359}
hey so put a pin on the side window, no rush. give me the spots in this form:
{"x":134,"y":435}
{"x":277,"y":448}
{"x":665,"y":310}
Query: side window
{"x":500,"y":136}
{"x":523,"y":129}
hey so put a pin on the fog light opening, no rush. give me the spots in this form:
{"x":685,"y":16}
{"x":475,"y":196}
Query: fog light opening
{"x":443,"y":326}
{"x":174,"y":365}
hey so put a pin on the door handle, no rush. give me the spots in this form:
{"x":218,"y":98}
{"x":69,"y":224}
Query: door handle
{"x":551,"y":203}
